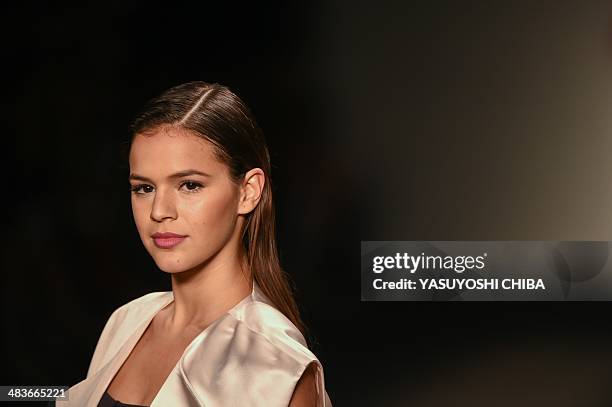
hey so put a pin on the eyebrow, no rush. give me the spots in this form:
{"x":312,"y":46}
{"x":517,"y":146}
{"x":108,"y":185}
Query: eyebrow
{"x":179,"y":174}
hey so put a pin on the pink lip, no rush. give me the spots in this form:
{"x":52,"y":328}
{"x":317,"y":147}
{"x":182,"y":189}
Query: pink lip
{"x":167,"y":240}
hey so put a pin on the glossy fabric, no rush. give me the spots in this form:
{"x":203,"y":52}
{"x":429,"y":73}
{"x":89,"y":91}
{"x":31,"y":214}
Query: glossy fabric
{"x":251,"y":356}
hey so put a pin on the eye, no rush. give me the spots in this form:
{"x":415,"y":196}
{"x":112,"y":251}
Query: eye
{"x":191,"y":186}
{"x":141,"y":189}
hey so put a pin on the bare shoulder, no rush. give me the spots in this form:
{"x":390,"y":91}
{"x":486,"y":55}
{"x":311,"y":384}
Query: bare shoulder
{"x":305,"y":393}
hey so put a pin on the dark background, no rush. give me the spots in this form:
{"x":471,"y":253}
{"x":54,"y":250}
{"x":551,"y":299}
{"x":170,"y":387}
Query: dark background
{"x":455,"y":120}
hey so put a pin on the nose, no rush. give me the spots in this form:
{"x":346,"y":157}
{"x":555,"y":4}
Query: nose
{"x":163,"y":206}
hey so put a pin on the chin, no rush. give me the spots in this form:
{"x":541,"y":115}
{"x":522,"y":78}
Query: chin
{"x":171,"y":269}
{"x":171,"y":264}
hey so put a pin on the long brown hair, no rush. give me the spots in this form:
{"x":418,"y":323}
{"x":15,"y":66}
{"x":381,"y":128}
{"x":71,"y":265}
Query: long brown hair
{"x":215,"y":113}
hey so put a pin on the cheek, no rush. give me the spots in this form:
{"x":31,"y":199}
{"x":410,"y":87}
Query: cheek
{"x":213,"y":215}
{"x":140,"y":212}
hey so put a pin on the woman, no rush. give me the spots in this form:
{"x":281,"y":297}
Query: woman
{"x":229,"y":332}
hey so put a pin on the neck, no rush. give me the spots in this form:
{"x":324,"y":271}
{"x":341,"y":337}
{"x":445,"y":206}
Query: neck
{"x":203,"y":294}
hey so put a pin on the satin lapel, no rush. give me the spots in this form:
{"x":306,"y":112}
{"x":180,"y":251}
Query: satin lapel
{"x":177,"y":389}
{"x":89,"y":391}
{"x":182,"y":387}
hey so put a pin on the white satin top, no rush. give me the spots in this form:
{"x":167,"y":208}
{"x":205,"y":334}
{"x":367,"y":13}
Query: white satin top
{"x":251,"y":356}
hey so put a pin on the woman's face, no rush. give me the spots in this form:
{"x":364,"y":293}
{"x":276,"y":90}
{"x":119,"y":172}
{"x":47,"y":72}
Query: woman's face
{"x":178,"y":186}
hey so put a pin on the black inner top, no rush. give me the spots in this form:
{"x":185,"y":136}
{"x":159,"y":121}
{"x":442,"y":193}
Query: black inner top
{"x":108,"y":401}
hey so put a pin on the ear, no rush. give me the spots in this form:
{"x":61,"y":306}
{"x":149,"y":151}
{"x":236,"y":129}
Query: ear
{"x":251,"y":190}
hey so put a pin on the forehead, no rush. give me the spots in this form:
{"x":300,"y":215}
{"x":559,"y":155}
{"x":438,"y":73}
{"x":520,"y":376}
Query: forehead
{"x":168,"y":149}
